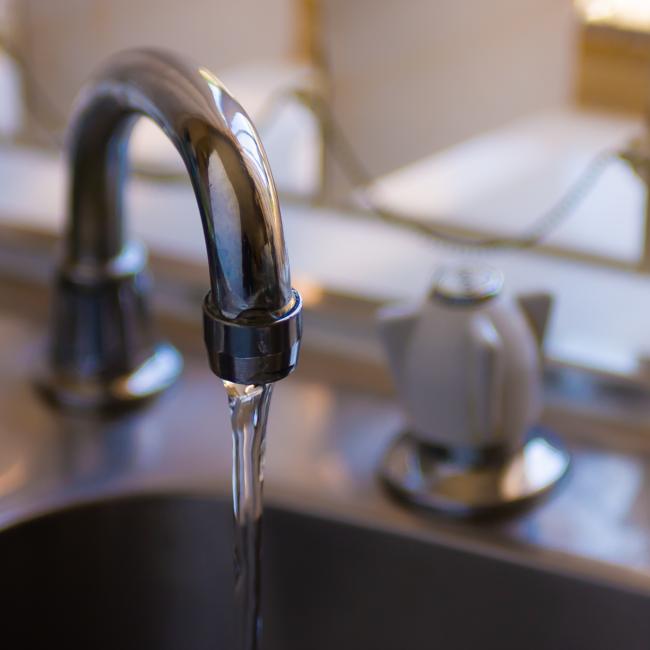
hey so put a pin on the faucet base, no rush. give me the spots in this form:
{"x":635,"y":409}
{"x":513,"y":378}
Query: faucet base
{"x":153,"y":376}
{"x":433,"y":479}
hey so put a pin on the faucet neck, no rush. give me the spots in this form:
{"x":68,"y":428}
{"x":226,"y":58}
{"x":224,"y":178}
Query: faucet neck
{"x":225,"y":160}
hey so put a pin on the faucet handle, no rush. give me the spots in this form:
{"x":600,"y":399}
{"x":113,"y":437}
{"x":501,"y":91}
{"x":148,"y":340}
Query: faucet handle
{"x":103,"y":349}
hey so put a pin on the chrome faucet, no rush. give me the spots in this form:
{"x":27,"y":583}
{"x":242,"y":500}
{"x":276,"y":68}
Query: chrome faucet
{"x":103,"y":350}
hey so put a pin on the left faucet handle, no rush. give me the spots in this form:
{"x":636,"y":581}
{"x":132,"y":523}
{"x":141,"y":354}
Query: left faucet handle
{"x":102,"y":347}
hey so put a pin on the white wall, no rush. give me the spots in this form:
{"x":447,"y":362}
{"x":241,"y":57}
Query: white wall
{"x":408,"y":76}
{"x":66,"y":39}
{"x":412,"y":76}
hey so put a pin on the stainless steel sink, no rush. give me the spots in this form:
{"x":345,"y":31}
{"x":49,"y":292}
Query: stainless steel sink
{"x":87,"y":563}
{"x":154,"y":572}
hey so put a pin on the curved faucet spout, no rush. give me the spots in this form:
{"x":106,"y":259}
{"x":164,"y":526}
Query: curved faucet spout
{"x":251,"y":315}
{"x":224,"y":158}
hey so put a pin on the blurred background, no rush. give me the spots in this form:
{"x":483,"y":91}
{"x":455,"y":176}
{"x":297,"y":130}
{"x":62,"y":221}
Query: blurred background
{"x":456,"y":117}
{"x":402,"y":80}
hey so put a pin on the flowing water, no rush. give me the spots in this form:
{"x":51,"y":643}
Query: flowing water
{"x":249,"y":407}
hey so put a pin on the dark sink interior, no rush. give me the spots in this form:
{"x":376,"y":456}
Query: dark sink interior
{"x":154,"y":572}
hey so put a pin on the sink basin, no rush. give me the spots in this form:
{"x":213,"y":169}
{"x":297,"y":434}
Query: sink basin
{"x":154,"y":573}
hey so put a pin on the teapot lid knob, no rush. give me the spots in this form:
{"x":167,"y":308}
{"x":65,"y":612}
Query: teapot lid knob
{"x":463,"y":285}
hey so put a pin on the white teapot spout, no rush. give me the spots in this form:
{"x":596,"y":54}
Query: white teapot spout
{"x":537,"y":308}
{"x":396,"y":327}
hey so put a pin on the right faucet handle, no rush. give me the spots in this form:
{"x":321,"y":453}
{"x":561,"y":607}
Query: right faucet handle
{"x":466,"y":365}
